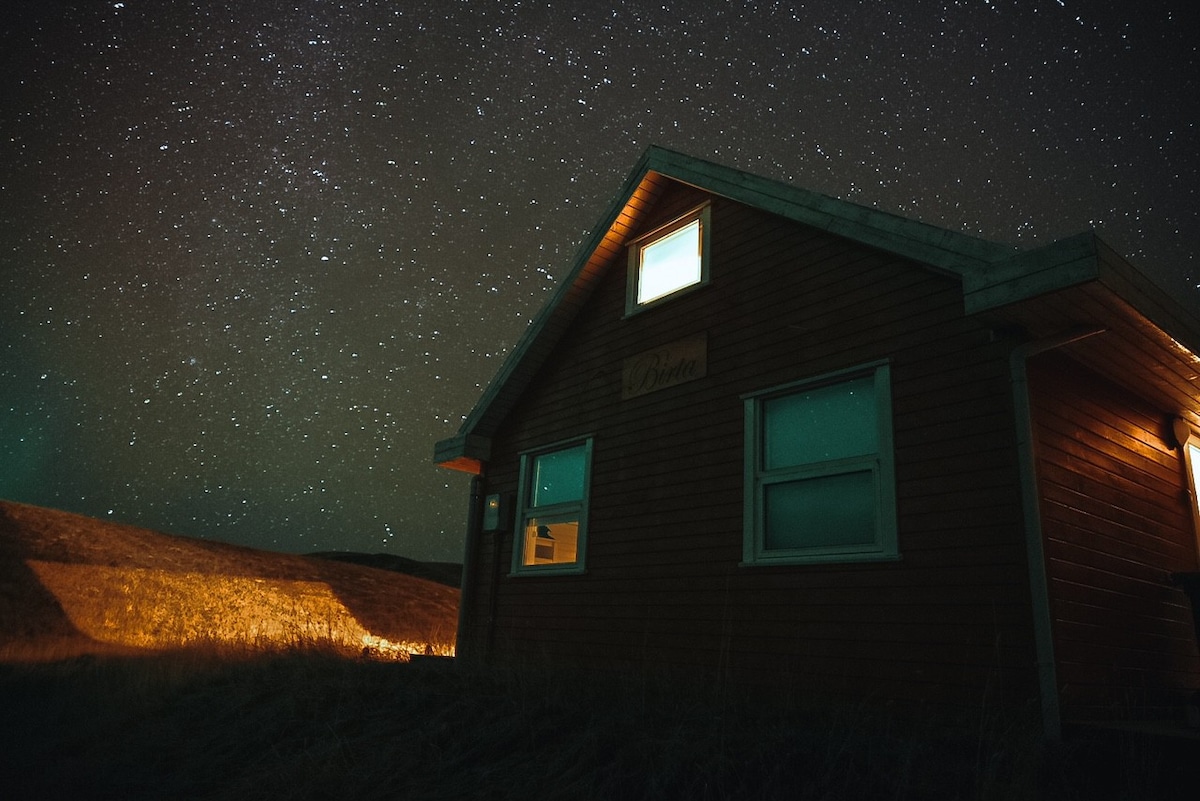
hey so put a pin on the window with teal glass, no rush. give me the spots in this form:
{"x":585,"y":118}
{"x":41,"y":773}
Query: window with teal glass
{"x":819,"y":482}
{"x":553,"y":524}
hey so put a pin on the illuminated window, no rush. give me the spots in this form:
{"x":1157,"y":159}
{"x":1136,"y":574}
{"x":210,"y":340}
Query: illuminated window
{"x":553,"y":492}
{"x":1193,"y":460}
{"x":669,"y":260}
{"x":819,"y":476}
{"x":1189,"y":444}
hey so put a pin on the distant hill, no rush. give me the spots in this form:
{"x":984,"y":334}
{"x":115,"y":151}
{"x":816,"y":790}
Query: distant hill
{"x":448,"y":573}
{"x":71,"y":584}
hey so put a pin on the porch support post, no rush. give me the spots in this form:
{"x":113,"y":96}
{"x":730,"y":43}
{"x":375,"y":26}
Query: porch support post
{"x":464,"y":650}
{"x":1031,"y":511}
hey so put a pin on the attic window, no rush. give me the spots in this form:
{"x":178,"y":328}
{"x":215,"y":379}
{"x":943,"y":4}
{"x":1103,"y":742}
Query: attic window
{"x":669,"y":260}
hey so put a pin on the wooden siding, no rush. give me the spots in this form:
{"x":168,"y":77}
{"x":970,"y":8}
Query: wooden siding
{"x":1117,"y":522}
{"x":950,"y":619}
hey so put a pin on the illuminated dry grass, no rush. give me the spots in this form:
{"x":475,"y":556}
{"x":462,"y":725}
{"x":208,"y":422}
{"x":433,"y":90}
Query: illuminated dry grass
{"x":71,"y":585}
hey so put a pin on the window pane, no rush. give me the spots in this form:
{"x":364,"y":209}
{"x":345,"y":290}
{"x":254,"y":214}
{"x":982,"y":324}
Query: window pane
{"x":670,"y":263}
{"x":550,"y":541}
{"x":1194,"y":462}
{"x":816,"y":512}
{"x":558,"y":477}
{"x":816,"y":425}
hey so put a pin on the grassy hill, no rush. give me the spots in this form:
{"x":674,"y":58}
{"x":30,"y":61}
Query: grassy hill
{"x":74,"y":585}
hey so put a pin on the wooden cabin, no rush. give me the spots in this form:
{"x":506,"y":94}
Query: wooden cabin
{"x":783,"y":438}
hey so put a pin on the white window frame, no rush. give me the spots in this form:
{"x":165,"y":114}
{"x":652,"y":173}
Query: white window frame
{"x":527,"y":511}
{"x":880,"y":464}
{"x":1189,"y":448}
{"x":700,"y":214}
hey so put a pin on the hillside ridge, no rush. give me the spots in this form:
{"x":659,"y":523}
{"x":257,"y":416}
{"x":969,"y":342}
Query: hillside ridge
{"x":91,"y":585}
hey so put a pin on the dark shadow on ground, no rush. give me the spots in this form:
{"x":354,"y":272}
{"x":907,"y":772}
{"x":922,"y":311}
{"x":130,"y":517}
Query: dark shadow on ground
{"x":30,"y":615}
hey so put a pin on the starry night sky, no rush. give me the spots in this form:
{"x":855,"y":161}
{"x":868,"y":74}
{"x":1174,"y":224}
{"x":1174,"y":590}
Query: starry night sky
{"x":257,"y":257}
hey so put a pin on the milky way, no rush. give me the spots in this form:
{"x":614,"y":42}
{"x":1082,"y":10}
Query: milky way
{"x":256,"y":258}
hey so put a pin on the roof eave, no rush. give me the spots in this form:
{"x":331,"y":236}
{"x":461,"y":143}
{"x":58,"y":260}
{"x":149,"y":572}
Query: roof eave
{"x":558,"y":311}
{"x":466,"y":453}
{"x":1079,"y":283}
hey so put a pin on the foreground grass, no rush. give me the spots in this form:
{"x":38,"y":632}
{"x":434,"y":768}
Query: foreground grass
{"x":313,"y":725}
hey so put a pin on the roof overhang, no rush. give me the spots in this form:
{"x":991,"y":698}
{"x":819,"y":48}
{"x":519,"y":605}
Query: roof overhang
{"x":1149,"y":342}
{"x":466,"y":453}
{"x":599,"y":250}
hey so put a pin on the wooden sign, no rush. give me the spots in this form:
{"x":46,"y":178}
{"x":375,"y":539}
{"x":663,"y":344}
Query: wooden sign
{"x":665,"y":366}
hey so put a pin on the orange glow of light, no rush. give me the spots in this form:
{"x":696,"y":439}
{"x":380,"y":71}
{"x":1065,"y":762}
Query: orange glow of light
{"x":1183,"y":350}
{"x":159,"y":609}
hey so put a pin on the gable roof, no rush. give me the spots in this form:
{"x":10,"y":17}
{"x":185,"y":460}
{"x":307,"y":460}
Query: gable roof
{"x":997,"y":278}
